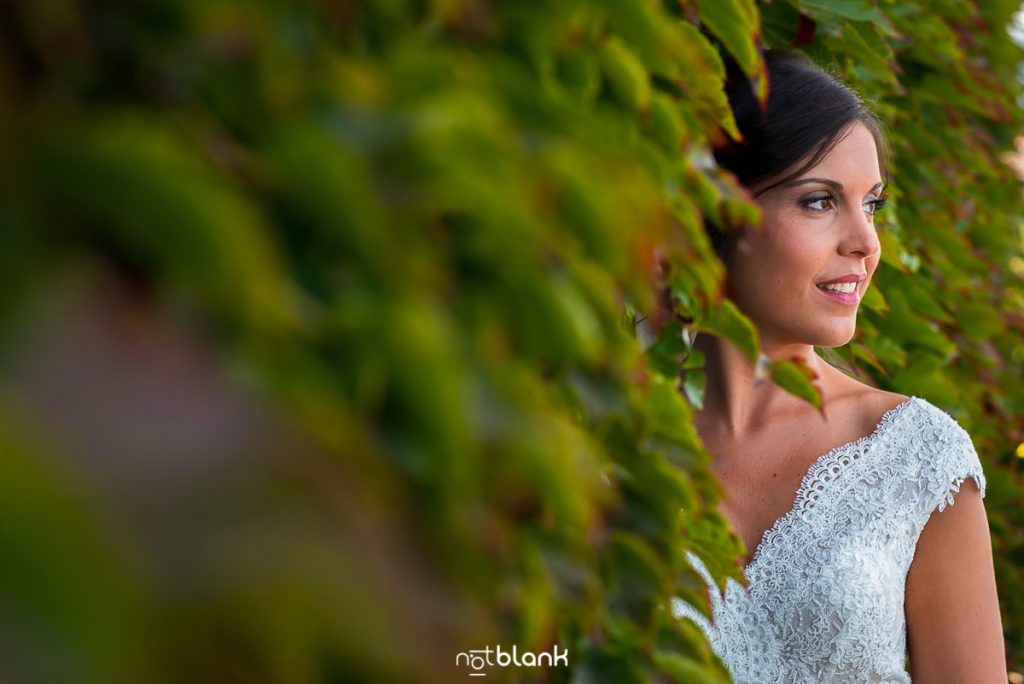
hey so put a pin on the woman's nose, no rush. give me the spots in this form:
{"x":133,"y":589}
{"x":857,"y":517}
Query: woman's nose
{"x":859,"y":234}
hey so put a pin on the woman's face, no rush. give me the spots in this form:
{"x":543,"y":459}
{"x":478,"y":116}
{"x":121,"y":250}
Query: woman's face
{"x":817,"y":227}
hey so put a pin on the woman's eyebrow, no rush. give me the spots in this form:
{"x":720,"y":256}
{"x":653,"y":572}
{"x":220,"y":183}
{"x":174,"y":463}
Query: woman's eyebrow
{"x":825,"y":181}
{"x":836,"y":185}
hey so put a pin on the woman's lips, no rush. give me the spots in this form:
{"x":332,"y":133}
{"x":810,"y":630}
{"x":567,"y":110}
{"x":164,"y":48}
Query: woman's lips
{"x":851,"y":298}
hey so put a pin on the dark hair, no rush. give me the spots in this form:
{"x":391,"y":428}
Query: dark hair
{"x":808,"y":112}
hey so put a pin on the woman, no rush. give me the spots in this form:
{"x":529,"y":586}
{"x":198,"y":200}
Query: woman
{"x":857,"y":559}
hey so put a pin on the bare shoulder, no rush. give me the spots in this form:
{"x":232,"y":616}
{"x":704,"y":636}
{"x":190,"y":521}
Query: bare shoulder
{"x":863,"y":403}
{"x":880,"y":401}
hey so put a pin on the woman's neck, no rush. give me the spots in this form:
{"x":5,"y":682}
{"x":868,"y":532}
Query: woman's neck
{"x":737,"y":400}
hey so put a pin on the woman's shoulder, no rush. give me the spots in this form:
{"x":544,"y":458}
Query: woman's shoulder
{"x":855,"y":399}
{"x":932,"y":425}
{"x":876,"y":407}
{"x":922,"y":441}
{"x":934,"y":449}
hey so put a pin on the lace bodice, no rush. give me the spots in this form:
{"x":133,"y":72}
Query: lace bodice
{"x":825,"y":594}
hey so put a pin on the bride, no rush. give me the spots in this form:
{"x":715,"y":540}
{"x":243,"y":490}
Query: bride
{"x":860,"y":565}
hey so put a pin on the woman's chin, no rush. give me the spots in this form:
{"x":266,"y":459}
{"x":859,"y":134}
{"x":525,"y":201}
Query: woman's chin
{"x":834,"y":339}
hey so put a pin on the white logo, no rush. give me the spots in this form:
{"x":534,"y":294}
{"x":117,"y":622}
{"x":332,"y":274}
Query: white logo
{"x":479,"y":658}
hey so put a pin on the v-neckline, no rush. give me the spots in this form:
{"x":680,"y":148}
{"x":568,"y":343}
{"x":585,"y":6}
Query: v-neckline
{"x":821,"y":462}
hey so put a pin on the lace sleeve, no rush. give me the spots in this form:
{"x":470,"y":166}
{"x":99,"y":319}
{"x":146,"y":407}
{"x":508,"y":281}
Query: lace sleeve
{"x":951,"y":459}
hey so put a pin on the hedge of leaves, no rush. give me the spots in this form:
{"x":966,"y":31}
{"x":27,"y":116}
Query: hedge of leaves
{"x":318,"y":331}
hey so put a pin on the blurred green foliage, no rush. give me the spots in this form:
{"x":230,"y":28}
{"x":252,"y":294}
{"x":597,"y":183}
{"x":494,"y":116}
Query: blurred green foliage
{"x":318,"y":352}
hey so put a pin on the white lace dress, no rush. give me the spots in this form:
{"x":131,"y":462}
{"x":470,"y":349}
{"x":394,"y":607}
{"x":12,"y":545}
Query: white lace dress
{"x":826,"y":583}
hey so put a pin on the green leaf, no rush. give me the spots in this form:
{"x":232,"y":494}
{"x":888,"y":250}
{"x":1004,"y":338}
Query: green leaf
{"x":712,"y":538}
{"x":924,"y":377}
{"x":636,"y":576}
{"x":980,"y":322}
{"x":703,"y":72}
{"x":609,"y":663}
{"x":694,"y":385}
{"x":695,"y":359}
{"x":174,"y":214}
{"x":670,"y":414}
{"x":904,"y":324}
{"x":920,"y":299}
{"x":627,"y":77}
{"x":854,"y":42}
{"x":665,"y":124}
{"x":725,"y":320}
{"x":737,"y":24}
{"x":796,"y":377}
{"x":579,"y":74}
{"x":683,"y":669}
{"x":874,"y":300}
{"x":831,"y":13}
{"x":864,"y":354}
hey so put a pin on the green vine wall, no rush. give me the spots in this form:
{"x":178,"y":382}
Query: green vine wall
{"x":318,"y":335}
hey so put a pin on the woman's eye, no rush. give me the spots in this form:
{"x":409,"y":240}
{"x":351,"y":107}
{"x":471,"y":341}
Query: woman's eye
{"x":874,"y":205}
{"x":823,"y":203}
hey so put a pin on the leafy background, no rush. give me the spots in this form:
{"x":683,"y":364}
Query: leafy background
{"x":317,"y":343}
